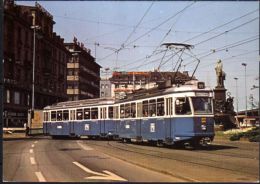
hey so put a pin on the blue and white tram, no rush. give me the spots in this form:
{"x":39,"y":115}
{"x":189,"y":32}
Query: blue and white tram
{"x":176,"y":114}
{"x":79,"y":118}
{"x":182,"y":113}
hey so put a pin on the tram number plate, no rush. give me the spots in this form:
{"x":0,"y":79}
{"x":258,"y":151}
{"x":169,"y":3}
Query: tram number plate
{"x":152,"y":127}
{"x":86,"y":127}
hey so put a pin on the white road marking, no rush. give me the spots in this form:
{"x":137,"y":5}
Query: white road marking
{"x":40,"y":177}
{"x":100,"y":176}
{"x":85,"y":147}
{"x":32,"y":160}
{"x":35,"y":142}
{"x":32,"y":145}
{"x":31,"y":150}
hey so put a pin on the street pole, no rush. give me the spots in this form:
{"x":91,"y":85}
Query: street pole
{"x":244,"y":64}
{"x":33,"y":69}
{"x":238,"y":123}
{"x":1,"y":77}
{"x":236,"y":94}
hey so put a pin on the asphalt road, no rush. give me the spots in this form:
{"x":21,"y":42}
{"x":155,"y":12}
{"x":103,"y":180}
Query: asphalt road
{"x":32,"y":160}
{"x":44,"y":159}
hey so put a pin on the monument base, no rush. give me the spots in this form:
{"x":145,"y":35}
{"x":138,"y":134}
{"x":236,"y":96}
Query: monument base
{"x":220,"y":94}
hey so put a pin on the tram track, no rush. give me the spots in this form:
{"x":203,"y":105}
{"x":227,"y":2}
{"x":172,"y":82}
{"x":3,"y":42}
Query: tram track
{"x":207,"y":151}
{"x":161,"y":155}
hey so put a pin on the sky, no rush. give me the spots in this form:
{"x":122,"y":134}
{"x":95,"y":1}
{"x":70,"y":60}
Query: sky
{"x":127,"y":36}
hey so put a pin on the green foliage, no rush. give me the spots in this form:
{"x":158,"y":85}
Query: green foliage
{"x":252,"y":135}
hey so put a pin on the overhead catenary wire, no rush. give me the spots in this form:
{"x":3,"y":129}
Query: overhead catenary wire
{"x":156,"y":49}
{"x":219,"y":50}
{"x":221,"y":26}
{"x":135,"y":27}
{"x":209,"y":30}
{"x":227,"y":31}
{"x":241,"y":42}
{"x":227,"y":58}
{"x":154,"y":28}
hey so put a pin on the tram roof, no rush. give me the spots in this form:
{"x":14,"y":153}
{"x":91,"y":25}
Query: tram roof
{"x":190,"y":86}
{"x":78,"y":103}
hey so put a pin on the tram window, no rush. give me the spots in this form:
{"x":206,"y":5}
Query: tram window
{"x":127,"y":110}
{"x":152,"y":107}
{"x":94,"y":113}
{"x":160,"y":106}
{"x":87,"y":113}
{"x":182,"y":106}
{"x":202,"y":105}
{"x":79,"y":114}
{"x":145,"y":108}
{"x":116,"y":114}
{"x":65,"y":115}
{"x":53,"y":115}
{"x":139,"y":109}
{"x":169,"y":106}
{"x":110,"y":112}
{"x":122,"y":111}
{"x":72,"y":114}
{"x":59,"y":115}
{"x":133,"y":111}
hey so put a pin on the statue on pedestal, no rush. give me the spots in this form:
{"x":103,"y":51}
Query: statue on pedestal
{"x":220,"y":74}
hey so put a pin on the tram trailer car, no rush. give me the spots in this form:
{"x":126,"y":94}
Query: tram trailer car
{"x":79,"y":118}
{"x":181,"y":114}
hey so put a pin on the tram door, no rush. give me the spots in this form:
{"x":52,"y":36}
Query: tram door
{"x":72,"y":121}
{"x":103,"y":117}
{"x":169,"y":127}
{"x":139,"y":120}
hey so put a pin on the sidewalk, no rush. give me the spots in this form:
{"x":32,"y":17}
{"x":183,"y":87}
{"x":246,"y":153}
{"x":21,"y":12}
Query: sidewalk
{"x":16,"y":135}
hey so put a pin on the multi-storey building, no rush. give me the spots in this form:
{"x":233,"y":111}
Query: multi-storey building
{"x":50,"y":61}
{"x":105,"y":88}
{"x":83,"y":73}
{"x":126,"y":82}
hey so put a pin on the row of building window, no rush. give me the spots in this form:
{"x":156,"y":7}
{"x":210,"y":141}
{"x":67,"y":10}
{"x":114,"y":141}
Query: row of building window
{"x":15,"y":98}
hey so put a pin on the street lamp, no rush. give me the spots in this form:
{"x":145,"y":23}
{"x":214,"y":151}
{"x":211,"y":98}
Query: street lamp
{"x":244,"y":64}
{"x":236,"y":93}
{"x":33,"y":69}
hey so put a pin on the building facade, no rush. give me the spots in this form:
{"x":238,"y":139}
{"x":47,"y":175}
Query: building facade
{"x":123,"y":83}
{"x":50,"y":62}
{"x":105,"y":88}
{"x":83,"y":73}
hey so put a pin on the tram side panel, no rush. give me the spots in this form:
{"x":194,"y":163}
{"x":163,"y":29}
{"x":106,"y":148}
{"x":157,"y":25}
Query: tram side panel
{"x":60,"y":128}
{"x":183,"y":128}
{"x":154,"y":129}
{"x":127,"y":129}
{"x":108,"y":128}
{"x":204,"y":127}
{"x":87,"y":128}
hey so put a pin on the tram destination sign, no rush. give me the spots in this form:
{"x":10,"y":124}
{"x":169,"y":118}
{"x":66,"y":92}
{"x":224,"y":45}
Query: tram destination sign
{"x":202,"y":94}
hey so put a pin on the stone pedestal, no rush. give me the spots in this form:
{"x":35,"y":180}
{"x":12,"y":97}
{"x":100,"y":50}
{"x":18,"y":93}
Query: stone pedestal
{"x":220,"y":94}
